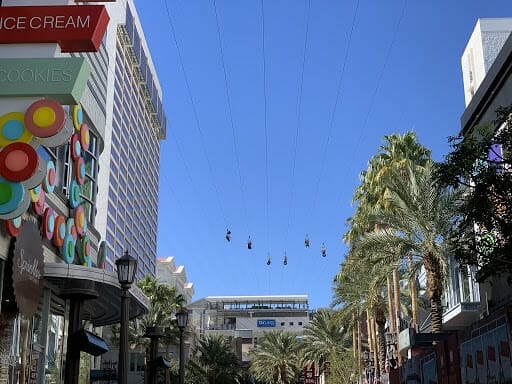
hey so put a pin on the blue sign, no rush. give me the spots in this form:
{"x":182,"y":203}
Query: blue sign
{"x":266,"y":323}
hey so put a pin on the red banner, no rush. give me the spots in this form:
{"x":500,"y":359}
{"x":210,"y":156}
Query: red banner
{"x":74,"y":28}
{"x":309,"y":374}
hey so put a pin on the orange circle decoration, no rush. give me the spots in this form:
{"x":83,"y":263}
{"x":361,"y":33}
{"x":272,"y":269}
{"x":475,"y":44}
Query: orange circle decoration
{"x":38,"y":206}
{"x":80,"y":171}
{"x":13,"y":130}
{"x":74,"y":194}
{"x":85,"y":252}
{"x":68,"y":249}
{"x":76,"y":147}
{"x":13,"y":226}
{"x":80,"y":221}
{"x":59,"y":232}
{"x":51,"y":177}
{"x":48,"y":223}
{"x":35,"y":193}
{"x":85,"y":137}
{"x":18,"y":162}
{"x":45,"y":118}
{"x":78,"y":116}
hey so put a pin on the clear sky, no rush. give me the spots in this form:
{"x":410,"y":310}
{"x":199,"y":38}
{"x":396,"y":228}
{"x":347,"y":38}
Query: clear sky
{"x":269,"y":127}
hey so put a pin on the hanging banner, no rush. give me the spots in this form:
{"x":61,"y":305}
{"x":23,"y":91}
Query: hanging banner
{"x":62,"y":79}
{"x":74,"y":28}
{"x":27,"y":269}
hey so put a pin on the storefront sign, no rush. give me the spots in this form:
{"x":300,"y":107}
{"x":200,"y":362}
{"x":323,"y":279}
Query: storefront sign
{"x":266,"y":323}
{"x":60,"y":78}
{"x":27,"y":269}
{"x":74,"y":28}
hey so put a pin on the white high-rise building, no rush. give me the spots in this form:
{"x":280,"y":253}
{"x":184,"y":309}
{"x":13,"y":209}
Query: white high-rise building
{"x":168,"y":273}
{"x":483,"y":46}
{"x":127,"y":201}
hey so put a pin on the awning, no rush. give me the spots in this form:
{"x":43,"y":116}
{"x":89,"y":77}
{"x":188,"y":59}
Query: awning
{"x":105,"y":309}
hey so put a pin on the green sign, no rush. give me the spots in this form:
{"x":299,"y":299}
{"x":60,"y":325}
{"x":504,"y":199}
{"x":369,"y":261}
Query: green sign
{"x":60,"y":78}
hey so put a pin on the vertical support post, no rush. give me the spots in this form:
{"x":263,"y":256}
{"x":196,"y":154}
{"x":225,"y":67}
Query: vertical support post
{"x":43,"y":338}
{"x":182,"y":358}
{"x":123,"y":338}
{"x":72,"y":368}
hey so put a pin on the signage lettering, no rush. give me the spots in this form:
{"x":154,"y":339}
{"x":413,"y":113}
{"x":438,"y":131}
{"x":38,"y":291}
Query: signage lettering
{"x":31,"y":267}
{"x":60,"y":78}
{"x":266,"y":323}
{"x":75,"y":29}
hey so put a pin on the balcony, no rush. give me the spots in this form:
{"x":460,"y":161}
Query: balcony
{"x":461,"y":315}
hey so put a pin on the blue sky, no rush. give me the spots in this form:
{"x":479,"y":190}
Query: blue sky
{"x":391,"y":65}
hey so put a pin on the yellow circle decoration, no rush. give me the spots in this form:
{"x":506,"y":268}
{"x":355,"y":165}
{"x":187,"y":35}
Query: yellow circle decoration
{"x":43,"y":117}
{"x":12,"y":129}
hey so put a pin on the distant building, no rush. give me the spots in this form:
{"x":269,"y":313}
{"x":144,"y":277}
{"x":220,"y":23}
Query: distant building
{"x":245,"y":319}
{"x":168,"y":273}
{"x":484,"y":45}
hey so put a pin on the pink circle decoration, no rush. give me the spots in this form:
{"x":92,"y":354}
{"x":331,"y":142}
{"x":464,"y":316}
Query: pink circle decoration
{"x":48,"y":223}
{"x":18,"y":162}
{"x":45,"y":118}
{"x":38,"y":206}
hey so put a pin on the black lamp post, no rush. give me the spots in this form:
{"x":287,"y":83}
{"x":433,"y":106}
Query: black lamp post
{"x":126,"y":269}
{"x":182,"y":319}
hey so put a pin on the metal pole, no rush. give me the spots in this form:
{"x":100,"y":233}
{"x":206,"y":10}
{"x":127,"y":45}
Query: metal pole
{"x":182,"y":358}
{"x":123,"y":338}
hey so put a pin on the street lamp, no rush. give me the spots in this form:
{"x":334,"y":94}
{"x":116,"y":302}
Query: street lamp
{"x":126,"y":269}
{"x":182,"y":320}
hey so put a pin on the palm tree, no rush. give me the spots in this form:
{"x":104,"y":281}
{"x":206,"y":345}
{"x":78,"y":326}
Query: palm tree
{"x":416,"y":225}
{"x":276,"y":358}
{"x":323,"y":338}
{"x":214,"y":361}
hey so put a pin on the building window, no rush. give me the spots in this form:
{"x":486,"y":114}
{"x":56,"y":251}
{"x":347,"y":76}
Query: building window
{"x":291,"y":323}
{"x":300,"y":322}
{"x":282,"y":323}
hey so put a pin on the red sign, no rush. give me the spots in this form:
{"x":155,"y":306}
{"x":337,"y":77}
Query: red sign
{"x":74,"y":28}
{"x":309,"y":374}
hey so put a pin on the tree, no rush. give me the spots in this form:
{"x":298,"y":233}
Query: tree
{"x":417,"y":225}
{"x":276,"y":358}
{"x":214,"y":361}
{"x":324,"y":337}
{"x":479,"y":165}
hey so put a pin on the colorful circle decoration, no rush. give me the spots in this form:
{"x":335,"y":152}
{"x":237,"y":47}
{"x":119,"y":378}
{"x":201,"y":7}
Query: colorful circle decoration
{"x":59,"y":232}
{"x":38,"y":206}
{"x":71,"y":228}
{"x":35,"y":193}
{"x":48,"y":223}
{"x":59,"y":139}
{"x":19,"y":210}
{"x":18,"y":162}
{"x":13,"y":226}
{"x":11,"y":195}
{"x":45,"y":118}
{"x":68,"y":249}
{"x":50,"y":178}
{"x":78,"y":116}
{"x":85,"y":137}
{"x":85,"y":252}
{"x":80,"y":221}
{"x":74,"y":194}
{"x":76,"y":147}
{"x":12,"y":129}
{"x":80,"y":171}
{"x":38,"y":176}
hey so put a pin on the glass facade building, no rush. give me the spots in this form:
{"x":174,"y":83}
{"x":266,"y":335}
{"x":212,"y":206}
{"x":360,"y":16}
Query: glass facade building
{"x":138,"y":125}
